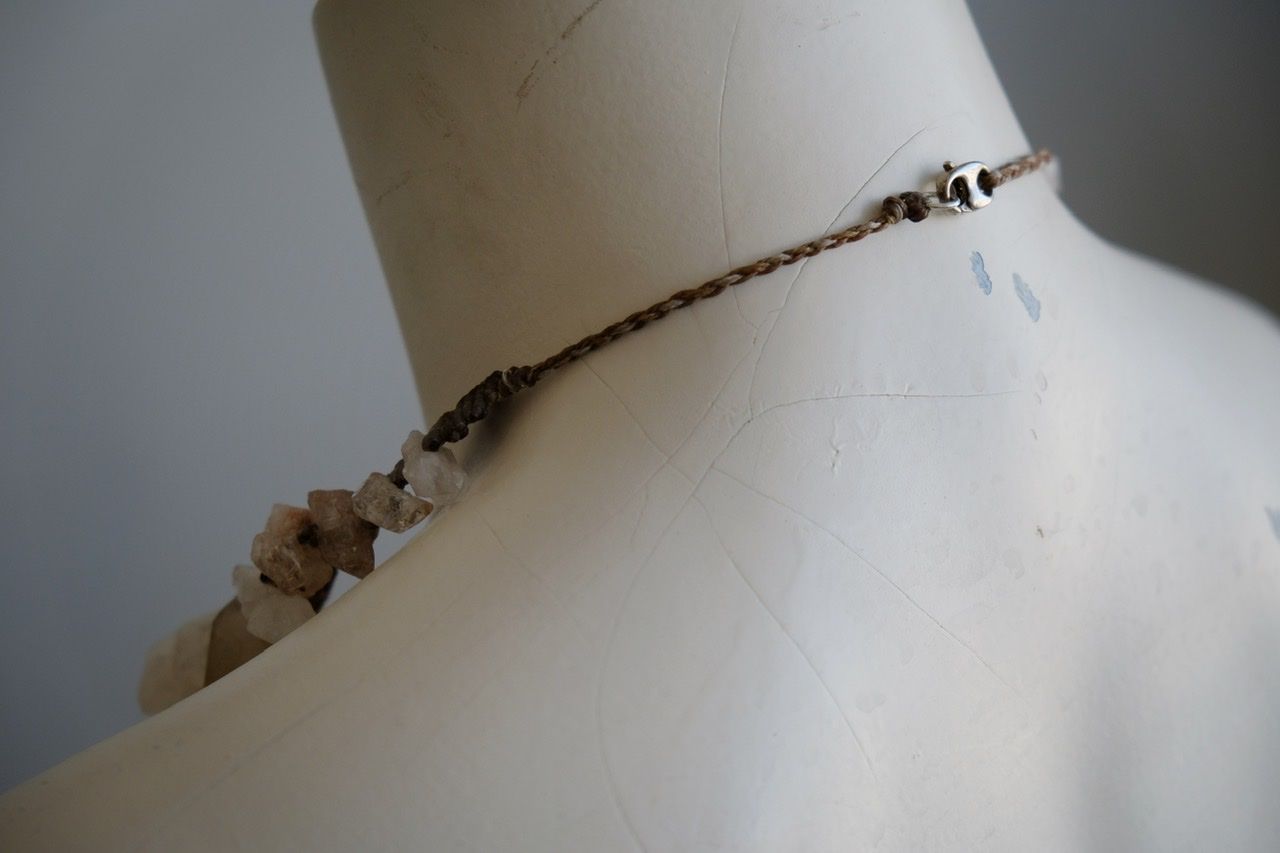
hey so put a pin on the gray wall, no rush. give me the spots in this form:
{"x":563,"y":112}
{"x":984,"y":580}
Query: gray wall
{"x":1166,"y":114}
{"x":193,"y":323}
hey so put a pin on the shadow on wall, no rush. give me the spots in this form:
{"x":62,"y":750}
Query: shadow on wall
{"x":1163,"y":113}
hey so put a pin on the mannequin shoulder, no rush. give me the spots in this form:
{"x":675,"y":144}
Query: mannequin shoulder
{"x":1224,"y":349}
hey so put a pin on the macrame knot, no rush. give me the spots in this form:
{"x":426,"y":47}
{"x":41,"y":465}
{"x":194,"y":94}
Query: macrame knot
{"x":476,"y":404}
{"x":519,"y":378}
{"x":909,"y":205}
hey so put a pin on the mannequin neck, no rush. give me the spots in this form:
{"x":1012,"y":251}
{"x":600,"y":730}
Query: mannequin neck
{"x":532,"y":172}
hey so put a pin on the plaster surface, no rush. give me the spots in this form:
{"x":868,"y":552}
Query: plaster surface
{"x":858,"y":555}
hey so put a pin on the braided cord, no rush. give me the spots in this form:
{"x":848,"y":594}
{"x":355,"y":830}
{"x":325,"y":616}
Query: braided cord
{"x":477,"y":403}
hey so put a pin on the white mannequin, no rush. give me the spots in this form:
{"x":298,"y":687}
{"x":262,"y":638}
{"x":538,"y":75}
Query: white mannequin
{"x":853,"y":555}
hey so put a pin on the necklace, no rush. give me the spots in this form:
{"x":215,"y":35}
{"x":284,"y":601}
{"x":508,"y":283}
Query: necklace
{"x":299,"y":552}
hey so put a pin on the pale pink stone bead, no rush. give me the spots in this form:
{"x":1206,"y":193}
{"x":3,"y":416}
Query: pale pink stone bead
{"x":175,"y":666}
{"x":287,"y":551}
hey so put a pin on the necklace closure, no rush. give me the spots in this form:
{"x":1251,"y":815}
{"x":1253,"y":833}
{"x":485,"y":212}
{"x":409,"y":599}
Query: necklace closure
{"x":960,"y":188}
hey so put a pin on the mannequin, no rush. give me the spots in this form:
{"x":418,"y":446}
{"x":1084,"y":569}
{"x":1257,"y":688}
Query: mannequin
{"x":857,"y":554}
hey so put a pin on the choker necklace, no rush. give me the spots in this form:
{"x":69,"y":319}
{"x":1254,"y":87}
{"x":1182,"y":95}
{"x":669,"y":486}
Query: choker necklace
{"x":298,"y":554}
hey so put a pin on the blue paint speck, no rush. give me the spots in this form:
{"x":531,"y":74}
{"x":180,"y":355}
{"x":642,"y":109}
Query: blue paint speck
{"x":1028,"y":298}
{"x":1274,"y":515}
{"x":980,"y":272}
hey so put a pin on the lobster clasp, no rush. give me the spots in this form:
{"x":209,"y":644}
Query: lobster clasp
{"x":960,"y":188}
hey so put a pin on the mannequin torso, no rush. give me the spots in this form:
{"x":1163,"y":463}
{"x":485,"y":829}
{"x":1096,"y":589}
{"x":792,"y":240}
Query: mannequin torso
{"x":858,"y":554}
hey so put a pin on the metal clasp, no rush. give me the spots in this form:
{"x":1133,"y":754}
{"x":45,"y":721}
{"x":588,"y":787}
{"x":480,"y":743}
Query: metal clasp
{"x":960,"y":188}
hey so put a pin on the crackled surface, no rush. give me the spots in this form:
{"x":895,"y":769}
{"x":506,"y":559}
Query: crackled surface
{"x":863,"y":556}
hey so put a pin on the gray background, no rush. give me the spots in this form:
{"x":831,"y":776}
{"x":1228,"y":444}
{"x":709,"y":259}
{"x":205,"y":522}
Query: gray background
{"x":1166,"y":114}
{"x":193,"y":322}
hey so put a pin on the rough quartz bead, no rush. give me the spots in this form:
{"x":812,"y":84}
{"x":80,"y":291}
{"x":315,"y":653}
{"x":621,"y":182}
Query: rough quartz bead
{"x":346,"y":539}
{"x":385,"y":504}
{"x":175,"y":666}
{"x":287,"y":551}
{"x":230,"y":643}
{"x":434,"y":475}
{"x":269,"y":614}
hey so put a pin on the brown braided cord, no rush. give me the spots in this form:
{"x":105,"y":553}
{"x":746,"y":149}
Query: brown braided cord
{"x":1015,"y":169}
{"x":477,"y":403}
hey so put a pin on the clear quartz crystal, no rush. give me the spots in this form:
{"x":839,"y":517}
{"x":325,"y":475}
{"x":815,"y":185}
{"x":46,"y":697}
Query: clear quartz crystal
{"x":175,"y":666}
{"x":271,"y":615}
{"x":434,"y":475}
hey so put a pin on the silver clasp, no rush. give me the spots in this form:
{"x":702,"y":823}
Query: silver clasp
{"x":959,"y":188}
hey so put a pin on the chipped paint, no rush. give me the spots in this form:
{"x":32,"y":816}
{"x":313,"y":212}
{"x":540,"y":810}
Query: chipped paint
{"x":979,"y":268}
{"x":1028,"y":298}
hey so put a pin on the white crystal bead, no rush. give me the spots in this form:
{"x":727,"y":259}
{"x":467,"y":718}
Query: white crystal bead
{"x":434,"y":475}
{"x":175,"y":666}
{"x":269,"y":613}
